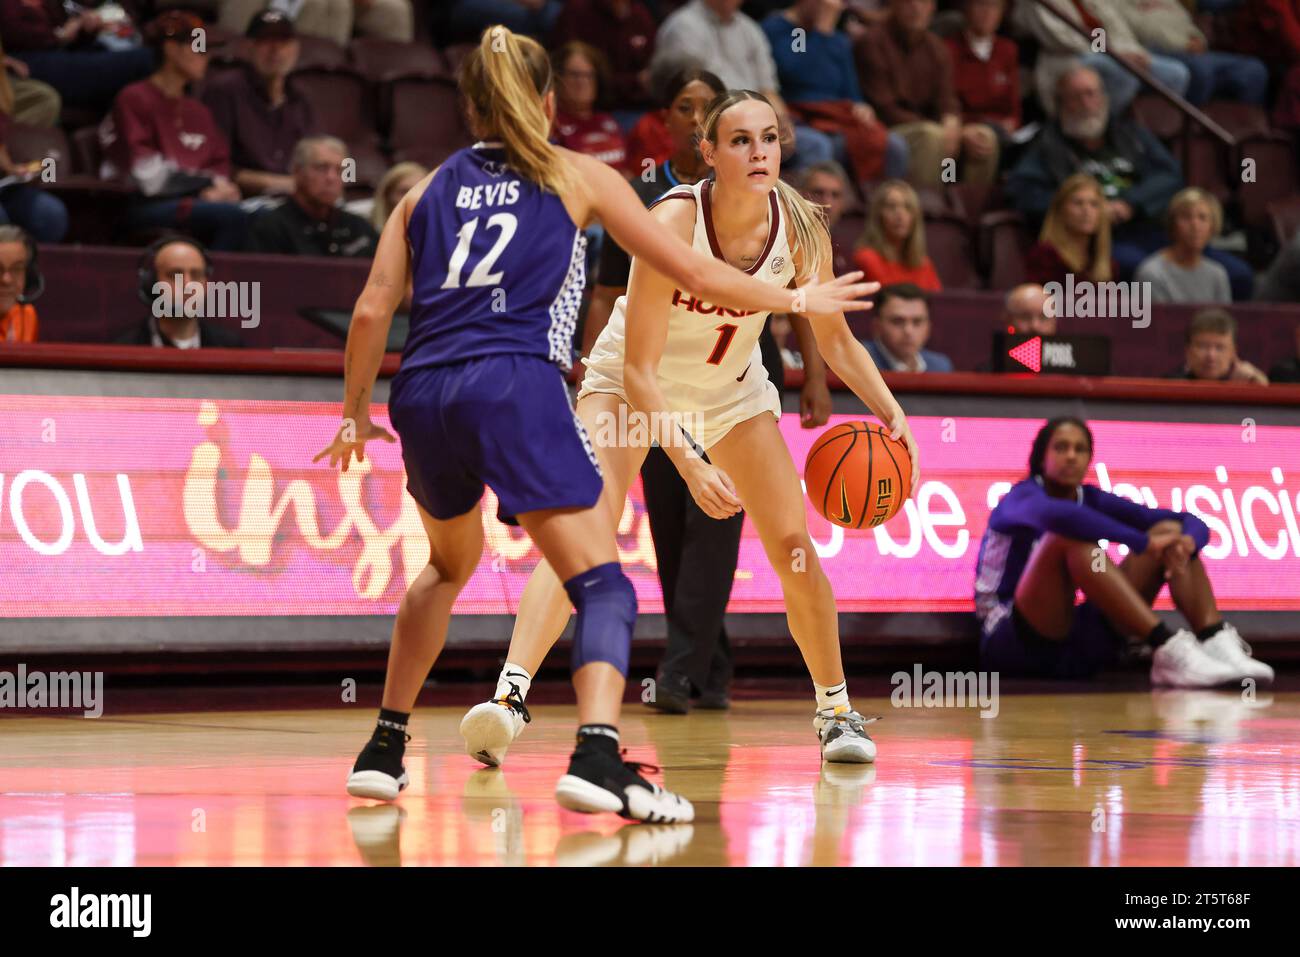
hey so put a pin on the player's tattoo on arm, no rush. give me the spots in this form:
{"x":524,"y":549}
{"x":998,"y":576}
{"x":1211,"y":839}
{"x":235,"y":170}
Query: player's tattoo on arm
{"x":381,"y":280}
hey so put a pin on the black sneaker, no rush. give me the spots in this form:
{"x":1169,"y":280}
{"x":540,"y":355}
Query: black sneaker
{"x":599,"y":780}
{"x":379,"y":773}
{"x":672,"y":694}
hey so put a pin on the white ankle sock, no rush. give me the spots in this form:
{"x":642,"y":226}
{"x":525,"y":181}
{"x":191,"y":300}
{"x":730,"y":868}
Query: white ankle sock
{"x":832,"y":696}
{"x":513,"y":675}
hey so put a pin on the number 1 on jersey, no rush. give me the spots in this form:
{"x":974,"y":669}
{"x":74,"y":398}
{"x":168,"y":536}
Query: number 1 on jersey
{"x":726,"y":332}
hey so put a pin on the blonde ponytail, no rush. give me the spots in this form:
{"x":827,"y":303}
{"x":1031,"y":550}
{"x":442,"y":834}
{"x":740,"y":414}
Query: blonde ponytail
{"x":504,"y":80}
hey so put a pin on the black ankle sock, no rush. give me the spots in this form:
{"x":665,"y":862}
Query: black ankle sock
{"x":397,"y":720}
{"x":598,"y":737}
{"x":1159,"y":635}
{"x":1209,"y":631}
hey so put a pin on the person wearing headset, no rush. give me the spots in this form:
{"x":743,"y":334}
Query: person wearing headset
{"x":20,"y":284}
{"x":183,"y":263}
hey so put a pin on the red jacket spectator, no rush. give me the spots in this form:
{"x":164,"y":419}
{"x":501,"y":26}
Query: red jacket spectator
{"x":649,"y":140}
{"x":625,"y":31}
{"x":152,"y":137}
{"x":989,"y":90}
{"x":596,"y":135}
{"x":906,"y":78}
{"x":30,"y":24}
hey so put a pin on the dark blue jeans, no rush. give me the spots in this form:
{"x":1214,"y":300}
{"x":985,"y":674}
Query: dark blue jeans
{"x":1225,"y":76}
{"x":89,"y":78}
{"x":219,"y":226}
{"x":42,"y":214}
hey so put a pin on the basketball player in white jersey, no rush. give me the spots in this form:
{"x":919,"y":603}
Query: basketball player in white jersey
{"x":666,"y":351}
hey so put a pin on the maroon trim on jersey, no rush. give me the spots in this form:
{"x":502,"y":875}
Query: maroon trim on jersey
{"x":774,"y":218}
{"x":671,"y":195}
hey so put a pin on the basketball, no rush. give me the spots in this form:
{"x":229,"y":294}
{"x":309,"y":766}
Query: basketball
{"x":857,"y":476}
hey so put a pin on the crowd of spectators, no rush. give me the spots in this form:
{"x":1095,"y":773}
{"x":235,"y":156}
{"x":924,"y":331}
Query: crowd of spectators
{"x":884,"y":106}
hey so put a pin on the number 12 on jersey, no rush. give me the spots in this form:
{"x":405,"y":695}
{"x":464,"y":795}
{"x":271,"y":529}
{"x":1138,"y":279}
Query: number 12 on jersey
{"x":482,"y":274}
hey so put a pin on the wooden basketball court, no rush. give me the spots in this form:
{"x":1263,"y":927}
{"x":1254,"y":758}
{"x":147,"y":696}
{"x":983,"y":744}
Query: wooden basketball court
{"x":1136,"y":778}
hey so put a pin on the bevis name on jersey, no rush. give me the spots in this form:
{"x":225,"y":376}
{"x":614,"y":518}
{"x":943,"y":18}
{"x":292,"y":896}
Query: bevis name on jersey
{"x":709,"y":345}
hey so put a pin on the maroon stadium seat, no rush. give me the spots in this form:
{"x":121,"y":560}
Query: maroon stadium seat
{"x":455,"y":55}
{"x":1239,"y":119}
{"x":342,"y":102}
{"x":1275,"y":174}
{"x":427,"y":124}
{"x":1205,"y":166}
{"x":1159,"y":116}
{"x":29,"y":144}
{"x":94,"y":206}
{"x":948,"y":240}
{"x":382,"y":60}
{"x":1003,"y":240}
{"x":1284,"y":215}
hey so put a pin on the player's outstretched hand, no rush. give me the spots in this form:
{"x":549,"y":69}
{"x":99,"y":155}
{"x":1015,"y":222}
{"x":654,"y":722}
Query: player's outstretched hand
{"x":713,"y":490}
{"x":351,"y":440}
{"x":900,"y":431}
{"x":841,"y":294}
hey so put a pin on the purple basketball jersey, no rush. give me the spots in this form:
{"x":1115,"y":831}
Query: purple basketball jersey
{"x":498,"y":266}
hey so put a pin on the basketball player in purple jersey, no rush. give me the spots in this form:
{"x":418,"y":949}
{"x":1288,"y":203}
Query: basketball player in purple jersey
{"x":492,"y":243}
{"x":1041,"y":545}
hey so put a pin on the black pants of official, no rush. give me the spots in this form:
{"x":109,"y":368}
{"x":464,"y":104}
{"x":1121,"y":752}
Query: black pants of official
{"x":697,"y":558}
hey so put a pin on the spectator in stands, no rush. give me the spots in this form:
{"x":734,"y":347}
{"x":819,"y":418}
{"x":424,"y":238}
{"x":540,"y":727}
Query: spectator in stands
{"x":41,"y":214}
{"x":1075,"y":237}
{"x":986,"y":70}
{"x":901,"y":322}
{"x":397,"y":182}
{"x":19,"y":284}
{"x":1180,"y":272}
{"x":716,"y":34}
{"x":892,"y":248}
{"x":261,"y":117}
{"x":184,"y":266}
{"x":1138,"y":176}
{"x":536,"y":18}
{"x":1029,"y":311}
{"x":1062,"y":47}
{"x":309,"y":222}
{"x":580,"y":72}
{"x":906,"y":73}
{"x":169,"y":145}
{"x":331,"y":19}
{"x":827,"y":185}
{"x":62,"y":50}
{"x":1281,"y":283}
{"x":33,"y":102}
{"x":1211,"y":353}
{"x":1165,"y":27}
{"x":1288,"y":371}
{"x":624,"y":29}
{"x":819,"y":81}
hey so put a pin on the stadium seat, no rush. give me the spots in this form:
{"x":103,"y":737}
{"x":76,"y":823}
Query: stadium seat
{"x":455,"y":55}
{"x":341,"y":102}
{"x":1274,"y":156}
{"x":1159,"y":116}
{"x":1284,"y":215}
{"x":1205,"y":165}
{"x":948,"y":241}
{"x":427,"y":124}
{"x":1003,"y":240}
{"x":1239,"y":119}
{"x":382,"y":60}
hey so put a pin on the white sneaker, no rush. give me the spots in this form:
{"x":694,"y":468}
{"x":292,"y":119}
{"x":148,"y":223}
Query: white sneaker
{"x":491,"y":727}
{"x":1181,"y":663}
{"x":843,"y":737}
{"x":1227,"y":646}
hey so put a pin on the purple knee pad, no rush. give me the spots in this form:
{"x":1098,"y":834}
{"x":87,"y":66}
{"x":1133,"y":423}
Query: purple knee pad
{"x":606,"y":604}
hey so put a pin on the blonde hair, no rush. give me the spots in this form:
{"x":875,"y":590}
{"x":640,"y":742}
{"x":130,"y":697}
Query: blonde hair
{"x":381,"y":209}
{"x":1190,"y":196}
{"x":504,"y":79}
{"x":1054,"y":233}
{"x":811,"y":237}
{"x":873,"y":236}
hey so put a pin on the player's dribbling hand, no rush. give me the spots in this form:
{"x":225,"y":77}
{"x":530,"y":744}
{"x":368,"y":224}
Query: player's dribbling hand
{"x":841,"y":294}
{"x":351,"y":440}
{"x":900,"y":431}
{"x":713,"y":491}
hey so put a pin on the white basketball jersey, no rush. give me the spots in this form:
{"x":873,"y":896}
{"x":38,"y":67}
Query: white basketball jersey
{"x":709,"y":347}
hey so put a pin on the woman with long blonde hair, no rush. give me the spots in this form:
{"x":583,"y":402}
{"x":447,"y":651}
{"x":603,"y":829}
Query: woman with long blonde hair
{"x":1075,"y":238}
{"x":892,"y":247}
{"x":492,"y":245}
{"x":671,"y":355}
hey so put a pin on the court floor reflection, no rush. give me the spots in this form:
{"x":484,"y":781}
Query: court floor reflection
{"x":1151,"y":778}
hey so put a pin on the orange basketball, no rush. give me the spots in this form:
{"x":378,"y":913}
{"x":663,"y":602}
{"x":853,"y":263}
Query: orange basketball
{"x":857,"y":476}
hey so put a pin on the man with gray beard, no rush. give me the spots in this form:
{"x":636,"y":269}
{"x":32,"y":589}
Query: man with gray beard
{"x":1138,"y":176}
